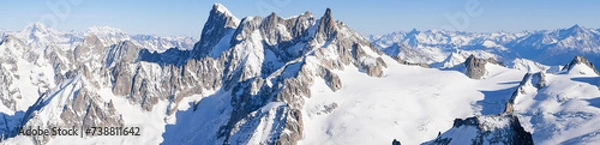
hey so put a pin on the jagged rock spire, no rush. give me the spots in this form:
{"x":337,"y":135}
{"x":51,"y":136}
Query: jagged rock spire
{"x":326,"y":24}
{"x":219,"y":14}
{"x":475,"y":67}
{"x":220,"y":20}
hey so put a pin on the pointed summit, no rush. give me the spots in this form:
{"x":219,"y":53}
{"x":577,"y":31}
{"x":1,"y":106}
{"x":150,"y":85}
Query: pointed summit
{"x":272,"y":14}
{"x":272,"y":18}
{"x":579,"y":60}
{"x":576,"y":29}
{"x":576,"y":26}
{"x":414,"y":31}
{"x":221,"y":15}
{"x":270,"y":22}
{"x":219,"y":8}
{"x":35,"y":27}
{"x":326,"y":24}
{"x":307,"y":14}
{"x":220,"y":21}
{"x":328,"y":13}
{"x":328,"y":17}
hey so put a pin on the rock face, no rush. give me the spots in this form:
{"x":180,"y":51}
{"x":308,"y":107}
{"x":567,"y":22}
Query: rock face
{"x":475,"y":67}
{"x":580,"y":60}
{"x":495,"y":129}
{"x":220,"y":23}
{"x":530,"y":80}
{"x":265,"y":68}
{"x":396,"y":142}
{"x":331,"y":46}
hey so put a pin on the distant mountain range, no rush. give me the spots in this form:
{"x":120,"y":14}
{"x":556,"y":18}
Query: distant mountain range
{"x":39,"y":35}
{"x":301,"y":80}
{"x":548,"y":47}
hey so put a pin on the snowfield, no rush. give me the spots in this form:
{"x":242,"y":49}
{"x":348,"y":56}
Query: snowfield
{"x":411,"y":104}
{"x":301,"y":80}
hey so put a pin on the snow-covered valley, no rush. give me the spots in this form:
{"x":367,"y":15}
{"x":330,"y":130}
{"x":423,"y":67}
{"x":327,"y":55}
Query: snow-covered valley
{"x":300,"y":80}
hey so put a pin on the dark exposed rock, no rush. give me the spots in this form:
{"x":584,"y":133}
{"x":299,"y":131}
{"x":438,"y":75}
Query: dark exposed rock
{"x":372,"y":66}
{"x":401,"y":61}
{"x":328,"y":108}
{"x":475,"y":67}
{"x":396,"y":142}
{"x":326,"y":25}
{"x":486,"y":132}
{"x":580,"y":60}
{"x":90,"y":46}
{"x":333,"y":81}
{"x":172,"y":56}
{"x":494,"y":61}
{"x":219,"y":23}
{"x":538,"y":80}
{"x":145,"y":78}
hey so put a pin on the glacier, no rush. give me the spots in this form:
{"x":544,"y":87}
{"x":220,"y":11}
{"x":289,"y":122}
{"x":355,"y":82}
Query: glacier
{"x":302,"y":80}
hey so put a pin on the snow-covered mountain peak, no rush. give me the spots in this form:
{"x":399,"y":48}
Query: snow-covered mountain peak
{"x":576,"y":27}
{"x":579,"y":32}
{"x":36,"y":32}
{"x":274,"y":80}
{"x":220,"y":8}
{"x":414,"y":31}
{"x":307,"y":14}
{"x":221,"y":23}
{"x":527,"y":65}
{"x":36,"y":27}
{"x":580,"y":65}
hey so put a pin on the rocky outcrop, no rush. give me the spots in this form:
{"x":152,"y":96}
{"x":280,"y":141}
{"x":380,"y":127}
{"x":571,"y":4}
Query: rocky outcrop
{"x":332,"y":79}
{"x":220,"y":22}
{"x":402,"y":61}
{"x":8,"y":94}
{"x":494,"y":129}
{"x":294,"y":74}
{"x":580,"y":60}
{"x":71,"y":104}
{"x":475,"y":67}
{"x":257,"y":61}
{"x":536,"y":80}
{"x":396,"y":142}
{"x":327,"y":24}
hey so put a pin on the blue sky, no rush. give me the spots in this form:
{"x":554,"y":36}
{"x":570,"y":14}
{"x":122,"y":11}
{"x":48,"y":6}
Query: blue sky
{"x":186,"y":17}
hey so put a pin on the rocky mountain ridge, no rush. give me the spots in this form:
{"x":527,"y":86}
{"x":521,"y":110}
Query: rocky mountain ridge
{"x":548,"y":47}
{"x":255,"y":80}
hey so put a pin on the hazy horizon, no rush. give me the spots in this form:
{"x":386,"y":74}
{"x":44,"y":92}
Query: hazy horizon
{"x":186,"y":18}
